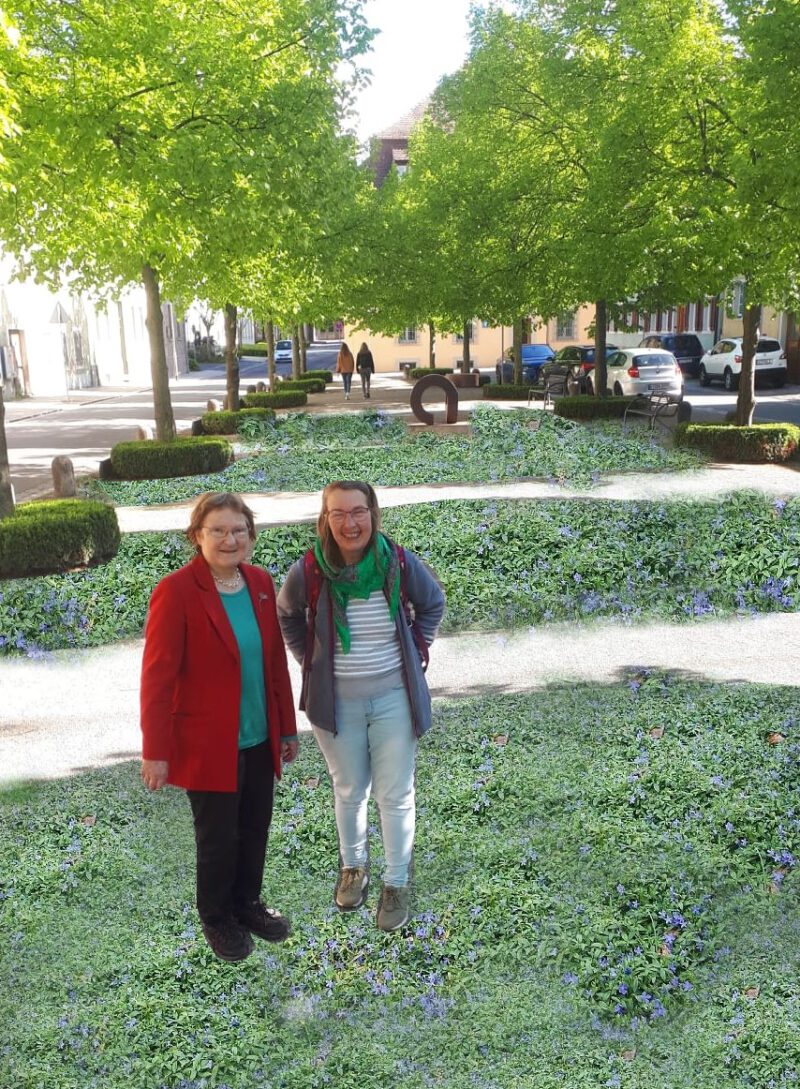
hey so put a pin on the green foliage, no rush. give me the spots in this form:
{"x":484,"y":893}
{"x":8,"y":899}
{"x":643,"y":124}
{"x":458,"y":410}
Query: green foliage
{"x":423,"y":372}
{"x":507,"y":392}
{"x":223,"y":422}
{"x":308,"y":383}
{"x":259,"y":349}
{"x":305,"y":431}
{"x":502,"y":564}
{"x":40,"y":538}
{"x":294,"y":397}
{"x":504,"y":445}
{"x":756,"y":443}
{"x":148,"y":460}
{"x":582,"y":407}
{"x":604,"y":824}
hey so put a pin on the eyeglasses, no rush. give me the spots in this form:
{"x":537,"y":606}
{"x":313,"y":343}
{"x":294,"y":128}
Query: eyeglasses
{"x":217,"y":533}
{"x":339,"y":517}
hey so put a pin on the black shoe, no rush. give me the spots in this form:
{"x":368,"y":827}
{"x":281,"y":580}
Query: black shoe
{"x":228,"y":940}
{"x":264,"y":922}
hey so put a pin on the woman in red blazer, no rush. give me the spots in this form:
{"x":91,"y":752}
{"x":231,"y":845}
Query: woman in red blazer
{"x":218,"y":717}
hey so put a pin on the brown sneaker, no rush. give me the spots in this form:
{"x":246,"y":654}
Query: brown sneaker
{"x":394,"y":907}
{"x":264,"y":922}
{"x":228,"y":940}
{"x":351,"y":888}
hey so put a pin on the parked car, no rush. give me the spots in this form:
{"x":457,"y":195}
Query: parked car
{"x":580,"y":358}
{"x":283,"y":351}
{"x":724,"y":361}
{"x":533,"y":357}
{"x":640,"y":370}
{"x":686,"y":347}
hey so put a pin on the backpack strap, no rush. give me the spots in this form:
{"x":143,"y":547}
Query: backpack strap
{"x":313,"y":579}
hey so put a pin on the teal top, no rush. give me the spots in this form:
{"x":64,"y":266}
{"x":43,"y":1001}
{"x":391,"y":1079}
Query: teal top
{"x":253,"y":706}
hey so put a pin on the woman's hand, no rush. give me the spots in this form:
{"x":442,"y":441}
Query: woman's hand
{"x":289,"y":750}
{"x":154,"y":773}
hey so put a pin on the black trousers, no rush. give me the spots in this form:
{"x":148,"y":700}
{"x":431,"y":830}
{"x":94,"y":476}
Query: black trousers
{"x":230,"y":832}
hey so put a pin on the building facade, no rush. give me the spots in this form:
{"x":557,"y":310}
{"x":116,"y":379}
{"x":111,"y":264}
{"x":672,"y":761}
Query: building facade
{"x":52,"y":342}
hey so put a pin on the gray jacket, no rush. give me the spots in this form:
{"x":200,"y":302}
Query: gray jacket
{"x":317,"y":698}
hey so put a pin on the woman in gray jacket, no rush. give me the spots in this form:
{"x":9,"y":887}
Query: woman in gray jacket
{"x":359,"y":613}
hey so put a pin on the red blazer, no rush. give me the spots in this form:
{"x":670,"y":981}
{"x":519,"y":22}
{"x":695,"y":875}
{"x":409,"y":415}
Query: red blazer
{"x":191,"y":678}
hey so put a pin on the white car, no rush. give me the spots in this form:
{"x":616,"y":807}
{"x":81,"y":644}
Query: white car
{"x":724,"y":361}
{"x":640,"y":370}
{"x":283,"y":351}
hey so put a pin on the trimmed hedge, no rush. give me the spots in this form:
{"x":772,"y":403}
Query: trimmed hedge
{"x":151,"y":460}
{"x":423,"y":372}
{"x":282,"y":398}
{"x":53,"y":536}
{"x":310,"y":385}
{"x":310,"y":376}
{"x":227,"y":423}
{"x":585,"y":407}
{"x":507,"y":393}
{"x":259,"y":349}
{"x":757,"y":443}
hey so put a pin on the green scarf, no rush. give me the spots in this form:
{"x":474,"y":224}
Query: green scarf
{"x":378,"y":570}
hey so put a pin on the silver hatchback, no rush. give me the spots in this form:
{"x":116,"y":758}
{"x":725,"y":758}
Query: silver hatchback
{"x":641,"y":370}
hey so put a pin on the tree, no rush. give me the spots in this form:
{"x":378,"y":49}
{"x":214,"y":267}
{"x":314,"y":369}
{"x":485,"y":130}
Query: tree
{"x":8,"y":107}
{"x":147,"y":137}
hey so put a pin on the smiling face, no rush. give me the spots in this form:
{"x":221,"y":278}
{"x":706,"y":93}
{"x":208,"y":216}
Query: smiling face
{"x":224,"y":540}
{"x":350,"y":522}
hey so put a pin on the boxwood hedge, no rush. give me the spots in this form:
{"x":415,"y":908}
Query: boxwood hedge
{"x":586,"y":407}
{"x":56,"y":535}
{"x":507,"y":392}
{"x":229,"y":423}
{"x":423,"y":372}
{"x":149,"y":460}
{"x":759,"y":442}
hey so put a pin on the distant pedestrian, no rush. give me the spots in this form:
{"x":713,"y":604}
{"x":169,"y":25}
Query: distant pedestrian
{"x":218,"y":718}
{"x":345,"y":365}
{"x":365,"y":365}
{"x":359,"y":613}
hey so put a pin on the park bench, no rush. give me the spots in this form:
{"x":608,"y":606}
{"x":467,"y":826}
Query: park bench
{"x":657,"y":408}
{"x":557,"y":382}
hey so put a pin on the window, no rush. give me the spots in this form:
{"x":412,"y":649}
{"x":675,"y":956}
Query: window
{"x":459,"y":338}
{"x":737,"y":303}
{"x":565,"y":329}
{"x":408,"y":335}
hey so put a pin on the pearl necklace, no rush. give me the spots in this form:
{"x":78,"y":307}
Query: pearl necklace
{"x":232,"y":583}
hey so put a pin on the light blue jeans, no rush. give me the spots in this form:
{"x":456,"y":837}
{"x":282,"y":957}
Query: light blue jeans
{"x":374,"y":750}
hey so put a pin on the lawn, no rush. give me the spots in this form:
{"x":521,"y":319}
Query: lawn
{"x":606,"y":895}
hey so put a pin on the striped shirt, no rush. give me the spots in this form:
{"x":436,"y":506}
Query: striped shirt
{"x":374,"y":662}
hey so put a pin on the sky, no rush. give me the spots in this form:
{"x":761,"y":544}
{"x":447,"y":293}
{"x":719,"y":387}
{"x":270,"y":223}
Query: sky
{"x":420,"y":41}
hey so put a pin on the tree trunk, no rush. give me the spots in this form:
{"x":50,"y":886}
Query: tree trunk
{"x":162,"y":403}
{"x":6,"y":491}
{"x":231,"y":359}
{"x":431,"y":345}
{"x":746,"y":400}
{"x":269,"y":331}
{"x":601,"y":370}
{"x":303,"y":344}
{"x":516,"y":334}
{"x":465,"y":359}
{"x":295,"y":353}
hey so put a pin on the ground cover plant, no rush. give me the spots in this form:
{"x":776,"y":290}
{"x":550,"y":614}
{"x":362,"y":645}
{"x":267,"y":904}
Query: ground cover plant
{"x":606,"y":895}
{"x":504,"y":445}
{"x":502,"y":564}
